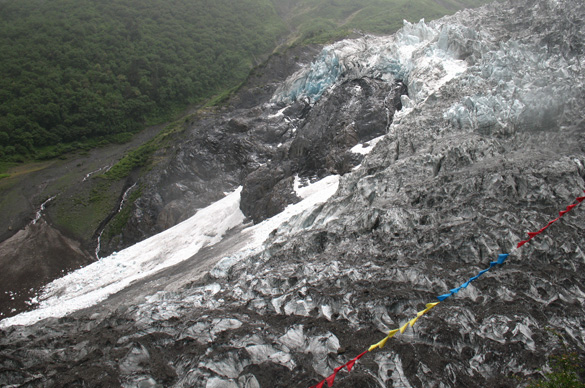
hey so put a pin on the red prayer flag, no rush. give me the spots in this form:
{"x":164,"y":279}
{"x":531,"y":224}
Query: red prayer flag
{"x":331,"y":379}
{"x":522,"y":243}
{"x":361,"y":355}
{"x":350,"y":364}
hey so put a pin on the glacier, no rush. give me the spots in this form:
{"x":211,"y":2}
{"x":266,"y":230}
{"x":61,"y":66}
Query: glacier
{"x":489,"y":144}
{"x":413,"y":50}
{"x":517,"y":79}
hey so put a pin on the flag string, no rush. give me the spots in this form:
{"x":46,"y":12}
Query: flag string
{"x":500,"y":260}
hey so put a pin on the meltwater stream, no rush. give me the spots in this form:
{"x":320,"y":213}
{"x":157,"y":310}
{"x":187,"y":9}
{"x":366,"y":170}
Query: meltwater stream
{"x":122,"y":202}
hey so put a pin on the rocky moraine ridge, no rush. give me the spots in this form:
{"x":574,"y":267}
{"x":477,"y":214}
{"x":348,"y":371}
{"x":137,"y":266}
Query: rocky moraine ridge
{"x":476,"y":135}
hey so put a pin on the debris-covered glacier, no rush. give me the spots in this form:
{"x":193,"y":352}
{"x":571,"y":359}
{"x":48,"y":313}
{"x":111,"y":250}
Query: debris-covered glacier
{"x":489,"y":144}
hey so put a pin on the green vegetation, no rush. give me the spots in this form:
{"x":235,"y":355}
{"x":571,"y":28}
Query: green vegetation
{"x":142,"y":155}
{"x":223,"y":96}
{"x":321,"y":21}
{"x":567,"y":367}
{"x":81,"y":213}
{"x":116,"y":226}
{"x":79,"y":74}
{"x":82,"y":74}
{"x":565,"y":373}
{"x":134,"y":159}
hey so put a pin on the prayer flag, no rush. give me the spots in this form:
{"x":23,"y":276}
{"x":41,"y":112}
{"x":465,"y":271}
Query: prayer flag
{"x":331,"y":379}
{"x":360,"y":355}
{"x":403,"y":328}
{"x":521,"y":243}
{"x":382,"y":343}
{"x":350,"y":364}
{"x":443,"y":297}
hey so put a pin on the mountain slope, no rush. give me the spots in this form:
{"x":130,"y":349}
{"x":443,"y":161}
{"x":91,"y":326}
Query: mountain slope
{"x":81,"y":74}
{"x":96,"y":72}
{"x":81,"y":78}
{"x":486,"y":144}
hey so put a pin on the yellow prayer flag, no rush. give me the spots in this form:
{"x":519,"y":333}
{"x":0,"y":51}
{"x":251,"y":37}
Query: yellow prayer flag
{"x":431,"y":305}
{"x":373,"y":347}
{"x":403,"y":328}
{"x":383,"y":342}
{"x":413,"y":321}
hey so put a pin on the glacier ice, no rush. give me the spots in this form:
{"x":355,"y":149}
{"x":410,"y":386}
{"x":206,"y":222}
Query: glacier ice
{"x":523,"y":86}
{"x":415,"y":49}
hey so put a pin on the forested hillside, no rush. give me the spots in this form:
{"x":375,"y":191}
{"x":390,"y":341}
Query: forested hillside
{"x":78,"y":74}
{"x":75,"y":70}
{"x":323,"y":20}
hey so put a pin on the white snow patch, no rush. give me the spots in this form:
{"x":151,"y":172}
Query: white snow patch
{"x":277,"y":114}
{"x":324,"y":188}
{"x":365,"y":148}
{"x":94,"y":283}
{"x":313,"y":195}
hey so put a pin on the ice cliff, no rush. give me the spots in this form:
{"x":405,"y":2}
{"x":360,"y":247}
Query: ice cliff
{"x":453,"y":139}
{"x":415,"y":49}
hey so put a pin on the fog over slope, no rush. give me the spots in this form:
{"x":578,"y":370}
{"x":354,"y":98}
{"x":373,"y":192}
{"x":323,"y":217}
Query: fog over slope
{"x":413,"y":161}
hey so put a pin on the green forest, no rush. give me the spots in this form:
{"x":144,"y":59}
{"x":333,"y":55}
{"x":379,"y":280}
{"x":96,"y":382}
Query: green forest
{"x":80,"y":73}
{"x":83,"y":71}
{"x":321,"y":21}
